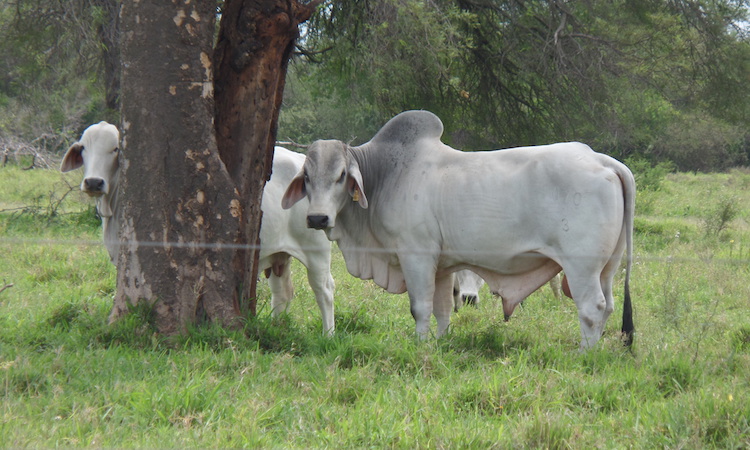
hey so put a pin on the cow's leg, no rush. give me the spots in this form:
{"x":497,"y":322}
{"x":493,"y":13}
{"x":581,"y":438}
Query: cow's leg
{"x":554,"y":284}
{"x":607,"y":280}
{"x":443,"y":302}
{"x":456,"y":293}
{"x":280,"y":281}
{"x":322,"y":284}
{"x":419,"y":274}
{"x":609,"y":272}
{"x":593,"y":307}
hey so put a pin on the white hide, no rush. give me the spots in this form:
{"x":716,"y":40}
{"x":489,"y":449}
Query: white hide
{"x":98,"y":153}
{"x":466,"y":286}
{"x":390,"y":205}
{"x":283,"y":233}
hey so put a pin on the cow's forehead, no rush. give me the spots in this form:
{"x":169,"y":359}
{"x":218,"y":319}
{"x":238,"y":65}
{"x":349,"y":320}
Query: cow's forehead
{"x":102,"y":136}
{"x":326,"y":157}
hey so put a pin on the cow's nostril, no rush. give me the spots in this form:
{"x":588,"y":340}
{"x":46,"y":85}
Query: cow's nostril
{"x":94,"y":184}
{"x":317,"y":222}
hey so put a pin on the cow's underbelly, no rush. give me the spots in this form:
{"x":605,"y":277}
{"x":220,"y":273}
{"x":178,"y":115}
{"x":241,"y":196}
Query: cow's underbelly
{"x":513,"y":288}
{"x":511,"y":275}
{"x":507,"y":259}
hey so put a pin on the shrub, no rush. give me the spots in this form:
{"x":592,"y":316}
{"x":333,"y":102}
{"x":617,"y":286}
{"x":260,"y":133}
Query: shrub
{"x":648,"y":177}
{"x":717,"y":219}
{"x":702,"y":144}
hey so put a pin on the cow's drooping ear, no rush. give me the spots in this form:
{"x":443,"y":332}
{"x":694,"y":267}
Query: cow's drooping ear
{"x":73,"y":158}
{"x":295,"y":192}
{"x":355,"y":185}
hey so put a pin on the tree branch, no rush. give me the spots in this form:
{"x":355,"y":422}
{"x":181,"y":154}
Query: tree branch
{"x":5,"y":287}
{"x":310,"y":54}
{"x":291,"y":143}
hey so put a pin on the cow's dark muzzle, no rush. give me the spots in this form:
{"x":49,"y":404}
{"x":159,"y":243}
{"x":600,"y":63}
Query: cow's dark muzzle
{"x":470,"y":300}
{"x":317,"y":222}
{"x":93,"y":185}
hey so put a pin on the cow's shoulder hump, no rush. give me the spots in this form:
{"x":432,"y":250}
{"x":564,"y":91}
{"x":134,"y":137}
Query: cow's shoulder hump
{"x":410,"y":126}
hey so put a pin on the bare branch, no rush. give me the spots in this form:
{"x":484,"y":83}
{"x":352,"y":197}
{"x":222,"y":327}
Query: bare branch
{"x":310,"y":54}
{"x":291,"y":144}
{"x":5,"y":287}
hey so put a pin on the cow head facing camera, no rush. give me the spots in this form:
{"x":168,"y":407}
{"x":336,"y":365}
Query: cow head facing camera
{"x":330,"y":178}
{"x":97,"y":152}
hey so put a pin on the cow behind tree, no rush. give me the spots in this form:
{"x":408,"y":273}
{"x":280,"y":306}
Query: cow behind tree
{"x":177,"y":101}
{"x":98,"y":152}
{"x":283,"y":233}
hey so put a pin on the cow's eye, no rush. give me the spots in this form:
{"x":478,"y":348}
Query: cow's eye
{"x":342,"y":177}
{"x":306,"y":178}
{"x":117,"y":149}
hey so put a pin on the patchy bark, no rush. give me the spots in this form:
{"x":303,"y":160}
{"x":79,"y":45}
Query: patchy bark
{"x":180,"y":209}
{"x":255,"y":43}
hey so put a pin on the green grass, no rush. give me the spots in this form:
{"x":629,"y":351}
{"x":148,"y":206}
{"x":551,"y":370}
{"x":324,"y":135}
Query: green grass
{"x":69,"y":379}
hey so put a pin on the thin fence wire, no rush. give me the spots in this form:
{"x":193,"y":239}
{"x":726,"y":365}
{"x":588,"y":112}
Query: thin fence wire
{"x":228,"y":246}
{"x":743,"y":257}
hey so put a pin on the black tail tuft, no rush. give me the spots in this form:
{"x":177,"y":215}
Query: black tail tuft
{"x":627,"y":318}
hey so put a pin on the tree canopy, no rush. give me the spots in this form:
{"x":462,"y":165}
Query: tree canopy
{"x":665,"y":80}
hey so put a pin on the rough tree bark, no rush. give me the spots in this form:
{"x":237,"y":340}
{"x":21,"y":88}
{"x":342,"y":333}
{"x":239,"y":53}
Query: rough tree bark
{"x":109,"y":36}
{"x":180,"y":209}
{"x":256,"y":40}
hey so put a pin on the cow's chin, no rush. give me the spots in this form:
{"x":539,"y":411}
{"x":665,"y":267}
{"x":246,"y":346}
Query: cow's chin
{"x":94,"y":194}
{"x":331,"y":233}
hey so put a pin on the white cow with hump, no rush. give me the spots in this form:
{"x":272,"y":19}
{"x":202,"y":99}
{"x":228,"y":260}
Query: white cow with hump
{"x":390,"y":205}
{"x":282,"y":233}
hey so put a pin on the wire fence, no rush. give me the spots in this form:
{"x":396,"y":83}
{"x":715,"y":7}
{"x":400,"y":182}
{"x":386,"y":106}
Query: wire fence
{"x":742,"y":258}
{"x":13,"y":151}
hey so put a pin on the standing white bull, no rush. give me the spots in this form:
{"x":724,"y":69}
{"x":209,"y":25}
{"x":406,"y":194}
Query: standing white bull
{"x":282,"y":233}
{"x":390,"y":204}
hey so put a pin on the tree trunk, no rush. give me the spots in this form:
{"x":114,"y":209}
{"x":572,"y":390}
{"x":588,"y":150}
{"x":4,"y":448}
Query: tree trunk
{"x":181,"y":214}
{"x":255,"y":43}
{"x":109,"y":36}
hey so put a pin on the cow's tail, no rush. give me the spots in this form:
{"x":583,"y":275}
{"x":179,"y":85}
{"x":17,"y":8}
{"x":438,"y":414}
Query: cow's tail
{"x":628,"y":184}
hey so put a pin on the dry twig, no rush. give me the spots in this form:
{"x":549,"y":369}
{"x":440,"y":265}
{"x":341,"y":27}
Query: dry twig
{"x":291,"y":144}
{"x":5,"y":287}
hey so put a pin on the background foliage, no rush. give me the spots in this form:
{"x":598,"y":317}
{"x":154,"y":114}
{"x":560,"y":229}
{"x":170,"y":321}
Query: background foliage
{"x":52,"y":70}
{"x":664,"y":80}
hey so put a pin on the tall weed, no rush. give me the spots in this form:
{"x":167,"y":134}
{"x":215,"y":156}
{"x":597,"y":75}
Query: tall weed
{"x":717,"y":218}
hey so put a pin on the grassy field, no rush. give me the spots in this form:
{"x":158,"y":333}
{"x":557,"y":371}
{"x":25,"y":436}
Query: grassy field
{"x":68,"y":379}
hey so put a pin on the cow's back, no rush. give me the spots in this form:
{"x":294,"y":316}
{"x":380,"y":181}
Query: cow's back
{"x":524,"y":200}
